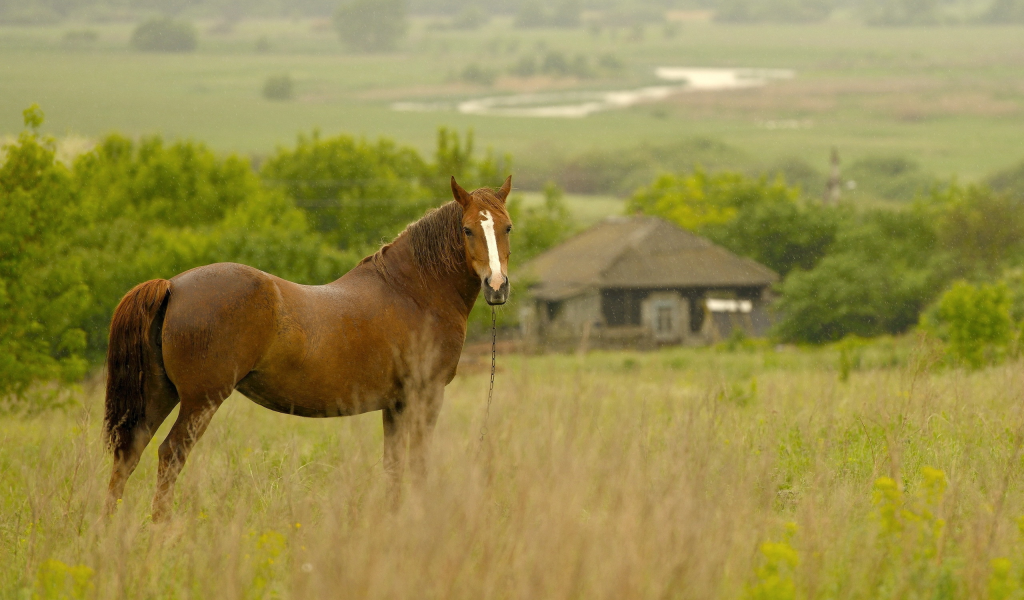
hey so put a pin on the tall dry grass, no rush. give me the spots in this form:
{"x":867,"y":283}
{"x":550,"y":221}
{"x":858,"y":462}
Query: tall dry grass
{"x":682,"y":474}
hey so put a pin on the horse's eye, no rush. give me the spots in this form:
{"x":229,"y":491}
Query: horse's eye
{"x":508,"y":229}
{"x":467,"y":230}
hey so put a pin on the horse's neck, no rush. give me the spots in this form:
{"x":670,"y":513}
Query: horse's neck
{"x":457,"y":289}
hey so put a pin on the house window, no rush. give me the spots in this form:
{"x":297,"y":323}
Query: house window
{"x":621,"y":307}
{"x":663,"y":323}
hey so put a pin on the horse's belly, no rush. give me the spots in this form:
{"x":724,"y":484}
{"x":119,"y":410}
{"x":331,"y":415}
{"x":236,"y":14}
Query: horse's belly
{"x":305,"y":398}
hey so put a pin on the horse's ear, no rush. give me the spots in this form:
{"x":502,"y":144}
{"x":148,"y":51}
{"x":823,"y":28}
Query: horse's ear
{"x":461,"y":195}
{"x":506,"y":187}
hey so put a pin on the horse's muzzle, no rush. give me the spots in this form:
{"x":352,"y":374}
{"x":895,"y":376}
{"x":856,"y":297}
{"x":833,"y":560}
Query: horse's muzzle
{"x":495,"y":297}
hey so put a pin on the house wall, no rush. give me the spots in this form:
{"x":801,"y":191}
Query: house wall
{"x":667,"y":316}
{"x":582,"y":321}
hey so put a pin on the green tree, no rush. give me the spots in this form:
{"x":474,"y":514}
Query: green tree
{"x":371,"y":25}
{"x":41,"y":288}
{"x":881,"y":272}
{"x":978,"y":229}
{"x":164,"y":34}
{"x":974,"y":321}
{"x":757,"y":218}
{"x":539,"y":228}
{"x":151,"y":209}
{"x":357,"y":193}
{"x":455,"y":157}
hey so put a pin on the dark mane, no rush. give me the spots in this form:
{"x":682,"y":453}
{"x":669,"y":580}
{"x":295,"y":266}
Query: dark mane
{"x":436,"y":241}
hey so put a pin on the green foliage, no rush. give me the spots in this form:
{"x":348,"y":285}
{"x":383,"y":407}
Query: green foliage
{"x":357,"y":193}
{"x":753,"y":217}
{"x":58,"y":581}
{"x":694,"y":201}
{"x":776,"y":577}
{"x":42,"y":293}
{"x":455,"y":157}
{"x":910,"y":536}
{"x":851,"y":355}
{"x":540,"y":228}
{"x":279,"y":87}
{"x":974,"y":321}
{"x":164,"y":34}
{"x":161,"y":209}
{"x":979,"y":229}
{"x":779,"y":232}
{"x":371,"y":25}
{"x":880,"y":273}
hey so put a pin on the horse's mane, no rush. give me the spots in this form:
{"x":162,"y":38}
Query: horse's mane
{"x":436,"y":239}
{"x":436,"y":242}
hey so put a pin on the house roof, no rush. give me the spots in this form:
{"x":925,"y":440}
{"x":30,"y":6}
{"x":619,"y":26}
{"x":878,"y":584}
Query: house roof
{"x":639,"y":252}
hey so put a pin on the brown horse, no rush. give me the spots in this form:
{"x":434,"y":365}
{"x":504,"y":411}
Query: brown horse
{"x":386,"y":336}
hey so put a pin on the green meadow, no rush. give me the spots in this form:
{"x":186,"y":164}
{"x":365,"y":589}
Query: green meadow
{"x":755,"y":473}
{"x":951,"y":98}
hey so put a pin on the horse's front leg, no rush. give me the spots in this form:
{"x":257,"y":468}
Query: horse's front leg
{"x":408,"y":427}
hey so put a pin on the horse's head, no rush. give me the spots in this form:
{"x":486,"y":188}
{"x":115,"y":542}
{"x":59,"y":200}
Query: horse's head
{"x":486,"y":227}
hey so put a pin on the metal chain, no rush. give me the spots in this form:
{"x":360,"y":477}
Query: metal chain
{"x":490,"y":390}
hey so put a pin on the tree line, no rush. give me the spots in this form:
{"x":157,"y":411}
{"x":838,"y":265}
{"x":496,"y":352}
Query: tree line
{"x":77,"y":237}
{"x":947,"y":260}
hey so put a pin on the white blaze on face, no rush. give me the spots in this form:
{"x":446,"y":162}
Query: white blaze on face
{"x":492,"y":250}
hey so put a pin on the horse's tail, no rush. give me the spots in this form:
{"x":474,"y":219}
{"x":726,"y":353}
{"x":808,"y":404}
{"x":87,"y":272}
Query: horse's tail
{"x":127,"y":361}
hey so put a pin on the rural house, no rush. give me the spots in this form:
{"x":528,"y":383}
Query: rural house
{"x":641,"y":282}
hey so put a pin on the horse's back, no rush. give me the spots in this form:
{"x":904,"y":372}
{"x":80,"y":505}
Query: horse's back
{"x":314,"y":351}
{"x":220,"y":319}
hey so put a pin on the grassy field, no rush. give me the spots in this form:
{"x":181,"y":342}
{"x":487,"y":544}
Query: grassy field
{"x":676,"y":474}
{"x":951,"y":98}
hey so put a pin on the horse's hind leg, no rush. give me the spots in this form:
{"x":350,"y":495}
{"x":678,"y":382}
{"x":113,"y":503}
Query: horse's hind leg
{"x":193,"y":418}
{"x":161,"y":398}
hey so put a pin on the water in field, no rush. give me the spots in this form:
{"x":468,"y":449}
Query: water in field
{"x":578,"y":104}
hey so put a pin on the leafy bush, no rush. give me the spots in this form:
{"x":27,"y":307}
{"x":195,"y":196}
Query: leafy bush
{"x":880,"y":273}
{"x":42,"y":293}
{"x":974,"y":321}
{"x":977,"y":229}
{"x":278,"y":87}
{"x":164,"y":35}
{"x":371,"y":25}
